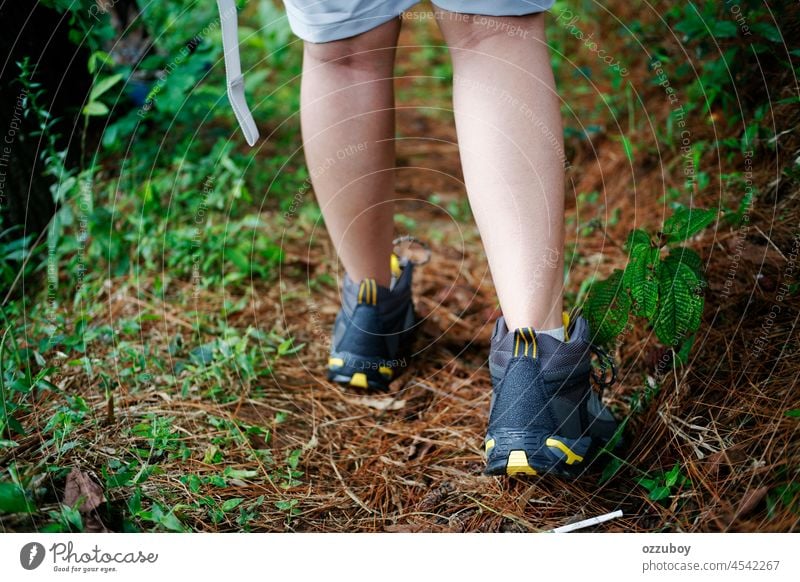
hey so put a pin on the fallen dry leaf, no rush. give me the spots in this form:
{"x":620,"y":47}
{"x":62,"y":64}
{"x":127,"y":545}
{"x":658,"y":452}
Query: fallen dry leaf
{"x":81,"y":489}
{"x":750,"y":500}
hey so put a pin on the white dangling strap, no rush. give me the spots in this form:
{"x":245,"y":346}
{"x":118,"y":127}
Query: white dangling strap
{"x":233,"y":70}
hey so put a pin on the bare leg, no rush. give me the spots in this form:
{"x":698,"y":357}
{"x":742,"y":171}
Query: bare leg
{"x":347,"y":103}
{"x":510,"y":135}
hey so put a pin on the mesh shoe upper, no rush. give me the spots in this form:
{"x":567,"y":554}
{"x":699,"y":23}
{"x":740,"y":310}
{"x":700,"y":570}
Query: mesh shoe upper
{"x":373,"y":330}
{"x":375,"y":327}
{"x":550,"y":392}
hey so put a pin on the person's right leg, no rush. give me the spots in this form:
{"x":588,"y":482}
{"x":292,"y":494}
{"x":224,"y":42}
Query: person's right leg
{"x":348,"y":135}
{"x":347,"y":117}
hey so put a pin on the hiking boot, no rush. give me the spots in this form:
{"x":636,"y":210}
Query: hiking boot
{"x":374,"y":330}
{"x":544,"y":416}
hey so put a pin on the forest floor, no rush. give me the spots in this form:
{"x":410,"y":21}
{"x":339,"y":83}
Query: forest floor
{"x":291,"y":451}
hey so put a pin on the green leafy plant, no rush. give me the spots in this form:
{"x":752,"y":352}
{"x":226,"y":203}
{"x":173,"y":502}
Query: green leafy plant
{"x":100,"y":86}
{"x":662,"y":283}
{"x":786,"y":495}
{"x":13,"y":499}
{"x":663,"y":486}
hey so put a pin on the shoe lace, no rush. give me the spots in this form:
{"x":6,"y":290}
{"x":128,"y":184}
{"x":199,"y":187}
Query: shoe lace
{"x":607,"y":374}
{"x":414,"y":250}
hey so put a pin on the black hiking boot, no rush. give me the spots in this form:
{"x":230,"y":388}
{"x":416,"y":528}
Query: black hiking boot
{"x":374,"y":330}
{"x":545,"y":418}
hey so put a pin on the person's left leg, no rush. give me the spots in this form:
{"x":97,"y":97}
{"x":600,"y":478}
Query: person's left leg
{"x":544,"y":416}
{"x":510,"y":136}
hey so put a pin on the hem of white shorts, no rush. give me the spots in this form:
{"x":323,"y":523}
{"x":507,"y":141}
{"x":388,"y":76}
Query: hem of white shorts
{"x":353,"y":26}
{"x":495,"y":7}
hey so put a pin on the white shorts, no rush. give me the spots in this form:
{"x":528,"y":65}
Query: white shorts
{"x":327,"y":20}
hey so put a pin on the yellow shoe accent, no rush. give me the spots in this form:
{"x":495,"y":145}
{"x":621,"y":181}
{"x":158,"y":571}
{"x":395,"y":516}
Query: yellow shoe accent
{"x":565,"y":322}
{"x":368,"y":292}
{"x":518,"y":464}
{"x":528,"y":345}
{"x":335,"y":362}
{"x":386,"y":372}
{"x":488,"y":446}
{"x":571,"y":457}
{"x":359,"y":380}
{"x":395,"y":266}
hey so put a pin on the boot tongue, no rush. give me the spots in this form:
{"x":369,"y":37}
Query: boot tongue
{"x":525,"y":343}
{"x":368,"y":292}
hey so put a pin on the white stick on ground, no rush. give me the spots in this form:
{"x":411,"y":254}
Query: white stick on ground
{"x":587,"y":522}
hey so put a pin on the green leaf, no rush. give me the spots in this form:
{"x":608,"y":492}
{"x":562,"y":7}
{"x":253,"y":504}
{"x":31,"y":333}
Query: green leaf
{"x":285,"y":348}
{"x":647,"y":482}
{"x":686,"y":347}
{"x":724,"y":29}
{"x":689,"y":258}
{"x":768,"y":31}
{"x":286,"y":505}
{"x":171,"y":522}
{"x":672,"y":477}
{"x":659,"y":493}
{"x":194,"y":483}
{"x":641,"y":279}
{"x":794,"y":413}
{"x":231,"y":504}
{"x":98,"y":56}
{"x":13,"y":500}
{"x":627,"y":147}
{"x":680,"y":307}
{"x":293,"y":458}
{"x":239,"y":473}
{"x":607,"y":308}
{"x":95,"y":108}
{"x":102,"y":86}
{"x":687,"y":222}
{"x":612,"y":468}
{"x":637,"y":237}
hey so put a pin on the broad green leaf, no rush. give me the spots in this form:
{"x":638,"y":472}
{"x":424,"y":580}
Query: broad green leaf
{"x":194,"y":483}
{"x":687,"y":222}
{"x":95,"y":108}
{"x":240,"y":473}
{"x":724,"y":29}
{"x":647,"y":482}
{"x":102,"y":86}
{"x":679,"y":306}
{"x":689,"y":258}
{"x":659,"y":493}
{"x":641,"y":280}
{"x":231,"y":504}
{"x":612,"y":468}
{"x":171,"y":522}
{"x":13,"y":500}
{"x":691,"y":270}
{"x":637,"y":237}
{"x":607,"y":308}
{"x":671,"y":478}
{"x":768,"y":31}
{"x":96,"y":57}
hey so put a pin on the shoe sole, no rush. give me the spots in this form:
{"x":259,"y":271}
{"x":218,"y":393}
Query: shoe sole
{"x":358,"y":380}
{"x":535,"y":453}
{"x":375,"y":377}
{"x":372,"y":377}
